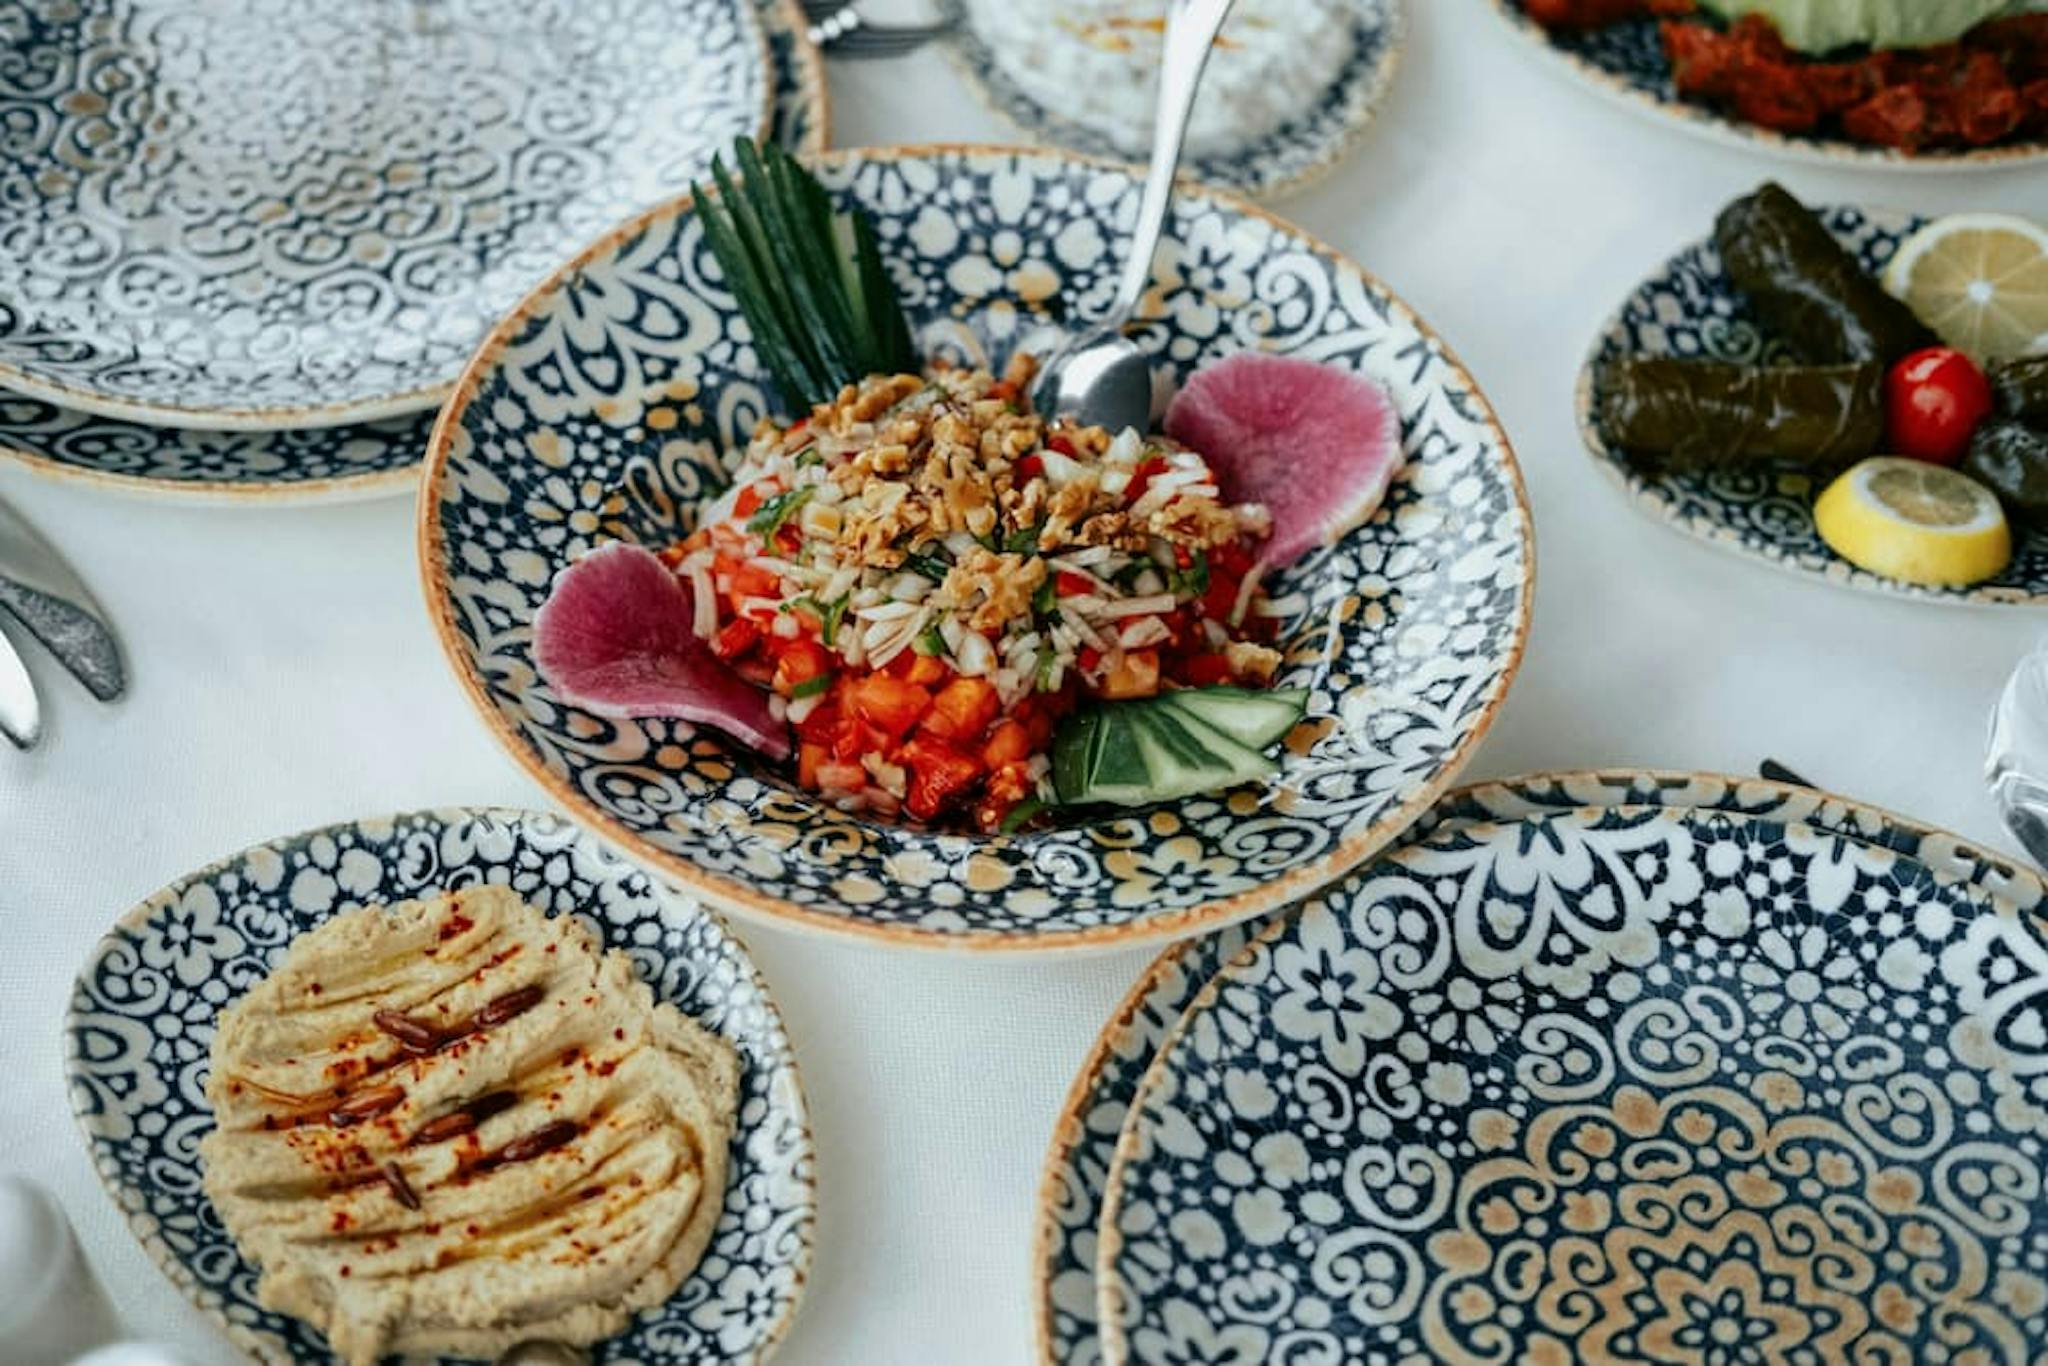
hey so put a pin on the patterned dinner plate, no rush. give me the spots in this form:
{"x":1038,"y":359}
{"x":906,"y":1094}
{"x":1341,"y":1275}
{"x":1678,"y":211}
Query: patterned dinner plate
{"x":290,"y":213}
{"x":142,"y":1020}
{"x":1293,"y":155}
{"x":1690,"y":309}
{"x":1623,"y":1084}
{"x":597,"y":411}
{"x":1083,"y":1148}
{"x":1626,"y":63}
{"x":329,"y":464}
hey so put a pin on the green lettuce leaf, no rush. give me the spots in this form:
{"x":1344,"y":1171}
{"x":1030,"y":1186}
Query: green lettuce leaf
{"x":1824,"y":25}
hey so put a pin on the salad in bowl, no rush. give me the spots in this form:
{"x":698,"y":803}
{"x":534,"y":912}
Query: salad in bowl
{"x":749,"y":541}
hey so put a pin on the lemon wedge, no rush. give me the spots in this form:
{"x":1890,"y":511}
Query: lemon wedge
{"x":1916,"y":522}
{"x":1980,"y":280}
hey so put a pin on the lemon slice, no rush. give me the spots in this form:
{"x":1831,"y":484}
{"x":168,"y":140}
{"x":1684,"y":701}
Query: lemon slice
{"x":1980,"y":280}
{"x":1916,"y":522}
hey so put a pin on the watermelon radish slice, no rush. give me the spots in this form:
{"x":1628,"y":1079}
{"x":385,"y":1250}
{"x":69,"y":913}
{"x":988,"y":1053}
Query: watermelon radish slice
{"x":615,"y":638}
{"x":1317,"y":446}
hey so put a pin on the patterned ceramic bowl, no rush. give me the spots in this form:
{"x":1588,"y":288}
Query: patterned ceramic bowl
{"x":1083,"y":1147}
{"x":142,"y":1019}
{"x":598,"y":412}
{"x":330,"y":464}
{"x":1614,"y":1084}
{"x":1626,"y":63}
{"x":1292,"y":157}
{"x":1690,"y":309}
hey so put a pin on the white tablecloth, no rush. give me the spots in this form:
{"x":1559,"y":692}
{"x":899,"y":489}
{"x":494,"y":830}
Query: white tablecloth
{"x":284,"y":677}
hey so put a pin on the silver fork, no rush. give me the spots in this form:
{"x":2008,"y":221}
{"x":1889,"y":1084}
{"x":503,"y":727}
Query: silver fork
{"x":837,"y":27}
{"x":46,"y":598}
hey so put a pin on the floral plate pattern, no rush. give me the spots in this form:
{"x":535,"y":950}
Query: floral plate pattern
{"x":1297,"y":154}
{"x":597,"y":411}
{"x":1690,"y":309}
{"x":295,"y":213}
{"x":366,"y":460}
{"x":1626,"y":63}
{"x":142,"y":1020}
{"x":1083,"y":1148}
{"x":1625,"y":1083}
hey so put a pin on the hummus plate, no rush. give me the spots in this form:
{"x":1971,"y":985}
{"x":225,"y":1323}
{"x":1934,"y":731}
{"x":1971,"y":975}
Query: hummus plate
{"x":148,"y":1003}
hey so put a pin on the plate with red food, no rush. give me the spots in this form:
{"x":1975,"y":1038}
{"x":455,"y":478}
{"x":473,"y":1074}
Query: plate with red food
{"x":1900,"y":83}
{"x":1855,"y":394}
{"x":747,"y":541}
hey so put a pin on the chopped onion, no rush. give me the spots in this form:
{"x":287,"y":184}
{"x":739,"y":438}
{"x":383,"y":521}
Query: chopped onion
{"x":1156,"y":605}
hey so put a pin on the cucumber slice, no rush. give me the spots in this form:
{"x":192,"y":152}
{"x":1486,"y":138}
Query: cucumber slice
{"x":1137,"y":753}
{"x":1255,"y":720}
{"x":1073,"y":754}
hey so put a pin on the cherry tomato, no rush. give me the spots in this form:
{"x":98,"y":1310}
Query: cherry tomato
{"x":1933,"y":401}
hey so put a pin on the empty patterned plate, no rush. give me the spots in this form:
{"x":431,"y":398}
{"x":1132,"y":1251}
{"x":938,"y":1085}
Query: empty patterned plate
{"x":294,"y":214}
{"x":1625,"y":61}
{"x":1625,"y":1084}
{"x":1084,"y":1141}
{"x":142,"y":1021}
{"x":328,"y":464}
{"x":597,"y":413}
{"x":1002,"y":50}
{"x":1690,"y":309}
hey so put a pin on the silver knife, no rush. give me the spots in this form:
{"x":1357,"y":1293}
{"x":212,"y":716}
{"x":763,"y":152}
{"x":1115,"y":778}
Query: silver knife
{"x":54,"y":605}
{"x":21,"y":716}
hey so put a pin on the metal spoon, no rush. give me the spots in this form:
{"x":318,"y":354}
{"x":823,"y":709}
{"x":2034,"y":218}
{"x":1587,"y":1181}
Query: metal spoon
{"x":2016,"y":761}
{"x":1100,"y":378}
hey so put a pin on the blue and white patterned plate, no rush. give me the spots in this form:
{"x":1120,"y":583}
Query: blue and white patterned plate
{"x":1294,"y":156}
{"x":1691,"y":309}
{"x":142,"y":1020}
{"x":597,"y":413}
{"x":291,"y":213}
{"x":329,"y":464}
{"x":1625,"y":1084}
{"x":1084,"y":1140}
{"x":1626,"y":63}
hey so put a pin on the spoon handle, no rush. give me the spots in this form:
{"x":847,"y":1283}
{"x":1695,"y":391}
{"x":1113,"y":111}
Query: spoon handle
{"x":1191,"y":29}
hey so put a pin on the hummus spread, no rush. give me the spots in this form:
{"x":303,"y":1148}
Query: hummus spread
{"x":450,"y":1126}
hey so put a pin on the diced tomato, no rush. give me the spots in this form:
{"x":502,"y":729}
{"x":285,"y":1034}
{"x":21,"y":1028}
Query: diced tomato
{"x":749,"y":502}
{"x":752,"y":581}
{"x":1206,"y":671}
{"x":962,"y":710}
{"x":809,"y":759}
{"x":735,"y":639}
{"x":822,"y":726}
{"x":938,"y":775}
{"x":1030,"y":467}
{"x":789,"y":540}
{"x":841,"y":777}
{"x":1221,"y":598}
{"x":1150,"y":468}
{"x":1059,"y":441}
{"x":927,"y":671}
{"x":1231,"y":558}
{"x":798,"y":662}
{"x":890,"y":705}
{"x":1136,"y":675}
{"x":1009,"y":743}
{"x":1072,"y":585}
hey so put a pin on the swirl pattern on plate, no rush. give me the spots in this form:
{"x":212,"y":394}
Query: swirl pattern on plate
{"x":1626,"y":61}
{"x":1299,"y":152}
{"x":598,"y":414}
{"x":1084,"y":1142}
{"x":1690,"y":309}
{"x":287,"y":213}
{"x":144,"y":1006}
{"x":362,"y":460}
{"x":1605,"y":1083}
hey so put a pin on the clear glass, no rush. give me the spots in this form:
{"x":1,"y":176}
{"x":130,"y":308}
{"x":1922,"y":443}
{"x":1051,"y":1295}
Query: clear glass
{"x":2016,"y":765}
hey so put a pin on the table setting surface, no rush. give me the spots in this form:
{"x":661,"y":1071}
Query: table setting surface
{"x":284,"y":676}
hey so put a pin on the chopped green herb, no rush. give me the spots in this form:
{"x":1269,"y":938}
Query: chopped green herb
{"x":1193,"y":580}
{"x":834,"y":613}
{"x":1046,"y":600}
{"x":810,"y":687}
{"x":1046,"y":663}
{"x":931,"y":566}
{"x":774,"y":514}
{"x":1022,"y":815}
{"x":931,"y":644}
{"x":809,"y":456}
{"x":1023,"y":542}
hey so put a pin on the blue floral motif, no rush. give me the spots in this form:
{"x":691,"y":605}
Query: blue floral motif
{"x":1691,"y":309}
{"x":142,"y":1020}
{"x":1775,"y":1127}
{"x":1460,"y":1015}
{"x":600,"y":412}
